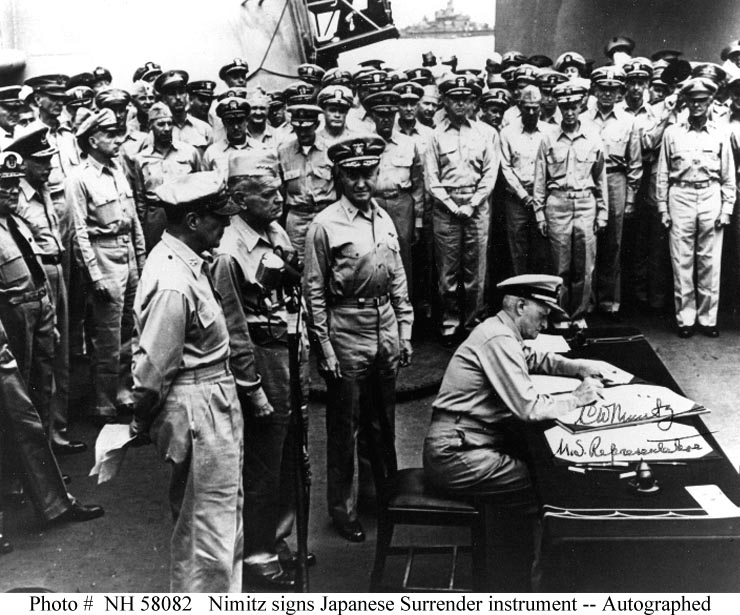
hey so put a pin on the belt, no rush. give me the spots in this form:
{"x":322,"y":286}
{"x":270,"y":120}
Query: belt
{"x":50,"y":259}
{"x":391,"y":194}
{"x":460,"y":189}
{"x":695,"y":185}
{"x":27,"y":297}
{"x":111,"y":240}
{"x":358,"y":302}
{"x":196,"y":374}
{"x":610,"y":170}
{"x":443,"y":417}
{"x":572,"y":194}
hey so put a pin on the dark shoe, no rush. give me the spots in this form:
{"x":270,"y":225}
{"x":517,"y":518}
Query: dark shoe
{"x":291,"y":563}
{"x":5,"y":545}
{"x":66,"y":478}
{"x":685,"y":332}
{"x":273,"y":579}
{"x":350,"y":530}
{"x":708,"y":331}
{"x":68,"y":448}
{"x":78,"y":512}
{"x":288,"y":559}
{"x":613,"y":317}
{"x":449,"y":341}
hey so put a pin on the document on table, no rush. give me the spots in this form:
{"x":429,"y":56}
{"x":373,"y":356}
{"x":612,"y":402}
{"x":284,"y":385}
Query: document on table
{"x":650,"y":441}
{"x":549,"y":385}
{"x":545,"y":342}
{"x":630,"y":404}
{"x":713,"y":500}
{"x":110,"y":449}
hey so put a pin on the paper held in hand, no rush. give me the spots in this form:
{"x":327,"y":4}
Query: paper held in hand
{"x":650,"y":441}
{"x":110,"y":449}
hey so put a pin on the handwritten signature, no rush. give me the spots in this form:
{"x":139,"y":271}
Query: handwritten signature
{"x":594,"y":449}
{"x":613,"y":414}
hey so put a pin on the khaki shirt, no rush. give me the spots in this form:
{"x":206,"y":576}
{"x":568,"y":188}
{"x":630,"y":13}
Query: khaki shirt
{"x":571,"y":162}
{"x":461,"y":158}
{"x":400,"y":170}
{"x":179,"y":323}
{"x":234,"y":269}
{"x":152,"y":169}
{"x":488,"y":377}
{"x":695,"y":155}
{"x":349,"y":254}
{"x":218,"y":154}
{"x":196,"y":132}
{"x":308,"y":182}
{"x":519,"y":149}
{"x":40,"y":215}
{"x":418,"y":132}
{"x":622,"y":148}
{"x":20,"y":271}
{"x":101,"y":203}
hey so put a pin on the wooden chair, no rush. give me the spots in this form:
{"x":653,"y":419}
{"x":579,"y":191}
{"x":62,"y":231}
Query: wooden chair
{"x":404,"y":500}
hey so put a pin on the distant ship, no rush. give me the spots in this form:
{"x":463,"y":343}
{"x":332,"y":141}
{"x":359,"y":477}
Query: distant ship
{"x":447,"y":23}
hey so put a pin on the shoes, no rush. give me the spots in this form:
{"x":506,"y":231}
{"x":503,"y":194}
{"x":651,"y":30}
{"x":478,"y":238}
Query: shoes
{"x":288,"y":559}
{"x":70,"y":447}
{"x":685,"y":332}
{"x":78,"y":512}
{"x":350,"y":530}
{"x":272,"y":579}
{"x":66,"y":479}
{"x":708,"y":331}
{"x":5,"y":545}
{"x":291,"y":562}
{"x":449,"y":340}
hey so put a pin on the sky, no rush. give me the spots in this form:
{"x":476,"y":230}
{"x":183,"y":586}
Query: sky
{"x":407,"y":12}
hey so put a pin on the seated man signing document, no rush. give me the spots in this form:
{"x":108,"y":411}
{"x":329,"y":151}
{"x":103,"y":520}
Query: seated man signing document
{"x":474,"y":445}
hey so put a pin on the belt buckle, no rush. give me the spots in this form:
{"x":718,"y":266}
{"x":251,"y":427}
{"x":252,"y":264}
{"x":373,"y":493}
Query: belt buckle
{"x":361,"y":302}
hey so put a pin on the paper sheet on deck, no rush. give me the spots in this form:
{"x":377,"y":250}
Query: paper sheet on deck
{"x":650,"y":442}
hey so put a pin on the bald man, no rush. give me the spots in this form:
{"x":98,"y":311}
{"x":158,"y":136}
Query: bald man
{"x":520,"y":141}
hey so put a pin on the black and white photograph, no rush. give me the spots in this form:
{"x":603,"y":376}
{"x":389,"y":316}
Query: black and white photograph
{"x":369,"y":300}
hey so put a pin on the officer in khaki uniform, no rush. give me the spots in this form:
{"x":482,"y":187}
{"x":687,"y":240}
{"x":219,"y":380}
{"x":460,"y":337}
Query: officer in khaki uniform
{"x":160,"y":160}
{"x":336,"y":101}
{"x":109,"y":248}
{"x":400,"y":185}
{"x":257,"y":319}
{"x":461,"y":164}
{"x":696,"y":195}
{"x":475,"y":444}
{"x":10,"y":104}
{"x":185,"y":393}
{"x":306,"y":172}
{"x":623,"y":176}
{"x":520,"y":142}
{"x":360,"y":316}
{"x":37,"y":210}
{"x":25,"y":309}
{"x":569,"y":193}
{"x":234,"y":113}
{"x":172,"y":90}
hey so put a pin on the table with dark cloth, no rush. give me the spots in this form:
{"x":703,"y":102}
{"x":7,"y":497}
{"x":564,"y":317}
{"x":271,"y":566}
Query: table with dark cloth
{"x":600,"y":535}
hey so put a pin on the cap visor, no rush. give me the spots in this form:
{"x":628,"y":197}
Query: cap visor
{"x":229,"y":209}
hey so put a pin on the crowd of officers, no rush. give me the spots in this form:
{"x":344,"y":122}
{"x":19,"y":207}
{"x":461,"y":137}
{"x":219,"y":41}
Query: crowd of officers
{"x":140,"y":226}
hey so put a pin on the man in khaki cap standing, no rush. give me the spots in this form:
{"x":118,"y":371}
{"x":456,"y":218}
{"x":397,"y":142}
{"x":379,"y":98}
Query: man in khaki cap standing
{"x":110,"y":252}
